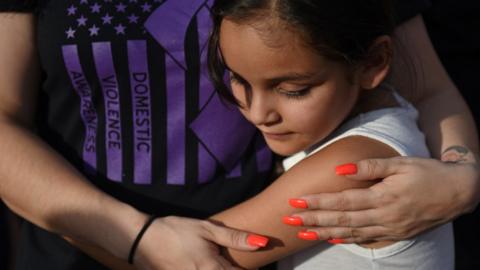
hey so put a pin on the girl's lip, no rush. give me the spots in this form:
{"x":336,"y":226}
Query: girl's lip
{"x":276,"y":136}
{"x":276,"y":133}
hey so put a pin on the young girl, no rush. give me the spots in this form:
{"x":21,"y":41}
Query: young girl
{"x":311,"y":75}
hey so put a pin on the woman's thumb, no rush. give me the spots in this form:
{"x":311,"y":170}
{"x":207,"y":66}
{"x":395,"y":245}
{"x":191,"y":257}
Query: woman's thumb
{"x":370,"y":169}
{"x":235,"y":239}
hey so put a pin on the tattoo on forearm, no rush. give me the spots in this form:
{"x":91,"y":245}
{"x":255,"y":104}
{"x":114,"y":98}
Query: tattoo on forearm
{"x":457,"y":154}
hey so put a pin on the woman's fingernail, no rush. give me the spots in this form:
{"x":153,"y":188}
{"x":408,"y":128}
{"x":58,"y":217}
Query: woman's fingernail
{"x":298,"y":203}
{"x":256,"y":240}
{"x":346,"y":169}
{"x":294,"y":221}
{"x":336,"y":241}
{"x":306,"y":235}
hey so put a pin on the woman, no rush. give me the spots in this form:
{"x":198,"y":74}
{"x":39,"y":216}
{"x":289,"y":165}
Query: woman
{"x":48,"y":191}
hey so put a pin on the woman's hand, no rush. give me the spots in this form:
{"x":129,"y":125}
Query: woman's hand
{"x":416,"y":194}
{"x":184,"y":243}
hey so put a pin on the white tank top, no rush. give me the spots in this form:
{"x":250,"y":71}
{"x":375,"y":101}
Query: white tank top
{"x":432,"y":250}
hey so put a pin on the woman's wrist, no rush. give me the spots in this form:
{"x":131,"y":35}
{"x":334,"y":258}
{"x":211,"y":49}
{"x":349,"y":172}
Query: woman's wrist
{"x":459,"y":154}
{"x":138,"y":238}
{"x":123,"y":222}
{"x":464,"y":177}
{"x":471,"y":187}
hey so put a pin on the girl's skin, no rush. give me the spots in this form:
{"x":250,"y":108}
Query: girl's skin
{"x":293,"y":95}
{"x":296,"y":98}
{"x":29,"y":169}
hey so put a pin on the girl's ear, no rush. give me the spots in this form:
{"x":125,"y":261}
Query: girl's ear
{"x":376,"y":66}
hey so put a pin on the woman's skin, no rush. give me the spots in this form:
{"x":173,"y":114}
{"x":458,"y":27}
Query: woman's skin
{"x":28,"y":167}
{"x":30,"y":170}
{"x":42,"y":187}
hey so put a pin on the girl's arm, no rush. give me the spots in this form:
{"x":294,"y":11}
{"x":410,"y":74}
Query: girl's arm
{"x":263,"y":214}
{"x":451,"y":135}
{"x":42,"y":187}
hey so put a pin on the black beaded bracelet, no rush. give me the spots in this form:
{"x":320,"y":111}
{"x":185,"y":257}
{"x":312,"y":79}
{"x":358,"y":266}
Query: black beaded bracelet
{"x":139,"y":237}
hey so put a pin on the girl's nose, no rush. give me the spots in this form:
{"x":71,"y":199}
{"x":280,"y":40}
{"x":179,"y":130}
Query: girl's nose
{"x":262,"y":109}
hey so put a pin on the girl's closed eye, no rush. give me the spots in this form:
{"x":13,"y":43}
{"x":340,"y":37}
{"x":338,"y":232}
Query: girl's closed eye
{"x":295,"y":94}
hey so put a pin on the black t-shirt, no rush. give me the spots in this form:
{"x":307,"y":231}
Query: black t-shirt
{"x":16,"y":5}
{"x":407,"y":9}
{"x":126,"y":99}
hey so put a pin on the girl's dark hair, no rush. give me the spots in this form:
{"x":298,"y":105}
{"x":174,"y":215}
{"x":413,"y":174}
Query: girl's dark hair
{"x":340,"y":30}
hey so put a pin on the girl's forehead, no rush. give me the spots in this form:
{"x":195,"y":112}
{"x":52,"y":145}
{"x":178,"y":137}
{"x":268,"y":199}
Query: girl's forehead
{"x":267,"y":33}
{"x":245,"y":52}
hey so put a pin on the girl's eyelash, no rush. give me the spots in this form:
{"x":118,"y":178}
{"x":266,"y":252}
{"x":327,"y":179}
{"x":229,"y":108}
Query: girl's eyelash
{"x":295,"y":94}
{"x":289,"y":94}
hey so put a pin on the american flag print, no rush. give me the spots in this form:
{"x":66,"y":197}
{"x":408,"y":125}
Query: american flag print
{"x":106,"y":36}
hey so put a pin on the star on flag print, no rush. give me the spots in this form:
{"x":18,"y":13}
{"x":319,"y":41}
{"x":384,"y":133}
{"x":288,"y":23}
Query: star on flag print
{"x":97,"y":18}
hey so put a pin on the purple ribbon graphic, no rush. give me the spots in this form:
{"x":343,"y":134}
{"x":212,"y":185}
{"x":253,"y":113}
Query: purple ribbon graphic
{"x":222,"y":131}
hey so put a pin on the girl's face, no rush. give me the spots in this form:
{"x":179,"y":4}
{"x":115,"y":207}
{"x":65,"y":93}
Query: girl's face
{"x":292,"y":94}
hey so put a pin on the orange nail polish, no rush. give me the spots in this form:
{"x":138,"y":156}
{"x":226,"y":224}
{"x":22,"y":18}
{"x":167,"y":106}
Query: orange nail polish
{"x":309,"y":236}
{"x":255,"y":240}
{"x":346,"y":169}
{"x":294,"y":221}
{"x":298,"y":203}
{"x":336,"y":241}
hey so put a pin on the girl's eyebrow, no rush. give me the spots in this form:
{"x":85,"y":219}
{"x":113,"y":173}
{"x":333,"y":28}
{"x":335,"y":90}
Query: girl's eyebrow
{"x":294,"y":76}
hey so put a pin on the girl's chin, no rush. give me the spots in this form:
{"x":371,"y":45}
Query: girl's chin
{"x":283,"y":149}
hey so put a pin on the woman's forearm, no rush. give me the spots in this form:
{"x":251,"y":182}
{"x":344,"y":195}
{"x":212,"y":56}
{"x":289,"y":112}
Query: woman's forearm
{"x":43,"y":188}
{"x":450,"y":128}
{"x":36,"y":182}
{"x":444,"y":116}
{"x":102,"y":256}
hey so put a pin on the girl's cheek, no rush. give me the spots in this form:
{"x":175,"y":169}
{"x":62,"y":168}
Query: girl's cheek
{"x":239,"y":93}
